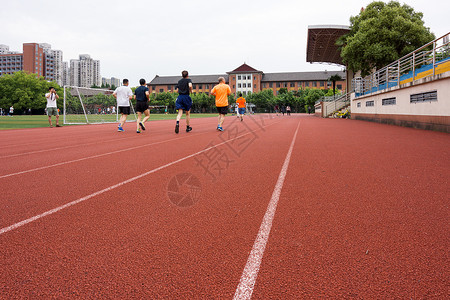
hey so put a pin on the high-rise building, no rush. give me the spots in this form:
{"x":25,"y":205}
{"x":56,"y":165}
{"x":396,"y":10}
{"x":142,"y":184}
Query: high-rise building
{"x":106,"y":81}
{"x":36,"y":58}
{"x":110,"y":82}
{"x":115,"y":81}
{"x":66,"y":74}
{"x":33,"y":58}
{"x":74,"y":75}
{"x":85,"y":71}
{"x":4,"y":49}
{"x":53,"y":63}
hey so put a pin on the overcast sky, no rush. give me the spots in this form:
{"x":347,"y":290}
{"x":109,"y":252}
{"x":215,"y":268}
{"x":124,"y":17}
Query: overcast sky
{"x":139,"y":39}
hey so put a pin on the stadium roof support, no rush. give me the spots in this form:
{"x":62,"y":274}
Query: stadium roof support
{"x":321,"y":47}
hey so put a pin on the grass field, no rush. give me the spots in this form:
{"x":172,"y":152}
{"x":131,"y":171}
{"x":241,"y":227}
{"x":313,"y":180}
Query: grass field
{"x":18,"y":122}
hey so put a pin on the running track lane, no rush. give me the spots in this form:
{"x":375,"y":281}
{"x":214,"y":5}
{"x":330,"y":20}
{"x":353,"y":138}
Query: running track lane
{"x":35,"y":192}
{"x":138,"y":243}
{"x":363,"y":214}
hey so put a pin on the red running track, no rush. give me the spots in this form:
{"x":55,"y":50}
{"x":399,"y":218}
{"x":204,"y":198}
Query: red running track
{"x":363,"y":210}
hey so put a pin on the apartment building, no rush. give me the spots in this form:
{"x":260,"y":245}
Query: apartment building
{"x":113,"y":81}
{"x":35,"y":58}
{"x":246,"y":79}
{"x":85,"y":71}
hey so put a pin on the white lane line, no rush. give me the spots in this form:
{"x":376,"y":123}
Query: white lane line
{"x":90,"y":157}
{"x":248,"y":278}
{"x":52,"y":211}
{"x":65,"y":147}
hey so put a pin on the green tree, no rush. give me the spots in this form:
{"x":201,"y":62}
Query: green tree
{"x":25,"y":90}
{"x":381,"y":34}
{"x":333,"y":79}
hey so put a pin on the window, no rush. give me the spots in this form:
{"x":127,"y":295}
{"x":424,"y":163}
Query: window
{"x":358,"y":104}
{"x":233,"y":78}
{"x":254,"y":86}
{"x":339,"y":86}
{"x":194,"y":86}
{"x":233,"y":86}
{"x":169,"y":87}
{"x":239,"y":77}
{"x":285,"y":84}
{"x":278,"y":84}
{"x":270,"y":85}
{"x":423,"y":97}
{"x":207,"y":86}
{"x":254,"y":77}
{"x":249,"y":77}
{"x":249,"y":85}
{"x":292,"y":84}
{"x":389,"y":101}
{"x":161,"y":90}
{"x":199,"y":86}
{"x":239,"y":85}
{"x":370,"y":103}
{"x":244,"y":85}
{"x":322,"y":83}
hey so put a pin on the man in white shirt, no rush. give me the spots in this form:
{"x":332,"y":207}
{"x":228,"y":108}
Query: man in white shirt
{"x":52,"y":109}
{"x":123,"y":94}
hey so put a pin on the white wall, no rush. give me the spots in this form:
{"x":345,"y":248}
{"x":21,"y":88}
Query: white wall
{"x":441,"y":107}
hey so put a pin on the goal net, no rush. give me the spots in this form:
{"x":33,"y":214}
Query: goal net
{"x":91,"y":106}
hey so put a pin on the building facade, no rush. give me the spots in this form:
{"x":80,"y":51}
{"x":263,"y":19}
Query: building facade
{"x":246,"y":79}
{"x":85,"y":71}
{"x":35,"y":58}
{"x":113,"y":81}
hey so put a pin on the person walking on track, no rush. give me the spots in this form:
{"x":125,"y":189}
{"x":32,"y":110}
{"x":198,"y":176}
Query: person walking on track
{"x":123,"y":94}
{"x":184,"y":101}
{"x":240,"y":102}
{"x":141,"y":95}
{"x":221,"y":91}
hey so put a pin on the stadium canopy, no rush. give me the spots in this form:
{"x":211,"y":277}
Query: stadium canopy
{"x":322,"y":46}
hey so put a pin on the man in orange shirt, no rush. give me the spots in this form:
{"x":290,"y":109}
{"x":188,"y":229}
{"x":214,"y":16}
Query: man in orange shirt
{"x":221,"y":91}
{"x":241,"y":106}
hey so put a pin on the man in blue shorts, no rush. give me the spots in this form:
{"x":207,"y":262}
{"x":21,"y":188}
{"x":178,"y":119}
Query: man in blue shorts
{"x":184,"y":101}
{"x":141,"y":95}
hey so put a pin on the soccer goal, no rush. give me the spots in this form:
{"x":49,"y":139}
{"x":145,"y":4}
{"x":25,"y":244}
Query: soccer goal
{"x":91,"y":106}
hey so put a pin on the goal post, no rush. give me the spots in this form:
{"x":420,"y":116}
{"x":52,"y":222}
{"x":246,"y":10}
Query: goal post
{"x":91,"y":106}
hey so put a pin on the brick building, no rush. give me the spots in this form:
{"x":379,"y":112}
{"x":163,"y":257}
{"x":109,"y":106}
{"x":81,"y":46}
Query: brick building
{"x":35,"y":58}
{"x":246,"y":79}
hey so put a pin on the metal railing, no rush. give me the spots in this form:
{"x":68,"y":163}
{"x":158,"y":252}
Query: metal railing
{"x":424,"y":61}
{"x":331,"y":107}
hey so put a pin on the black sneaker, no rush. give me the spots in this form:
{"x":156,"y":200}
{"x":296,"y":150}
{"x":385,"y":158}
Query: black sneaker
{"x":142,"y":125}
{"x":177,"y":128}
{"x":188,"y":128}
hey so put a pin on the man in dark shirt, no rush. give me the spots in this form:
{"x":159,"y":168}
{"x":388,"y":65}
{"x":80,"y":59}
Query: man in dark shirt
{"x":141,"y":95}
{"x":184,"y":101}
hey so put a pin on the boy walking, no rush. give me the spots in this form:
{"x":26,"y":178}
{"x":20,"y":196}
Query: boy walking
{"x":241,"y":106}
{"x":184,"y":101}
{"x":221,"y":91}
{"x":52,"y":109}
{"x":123,"y":94}
{"x":141,"y":95}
